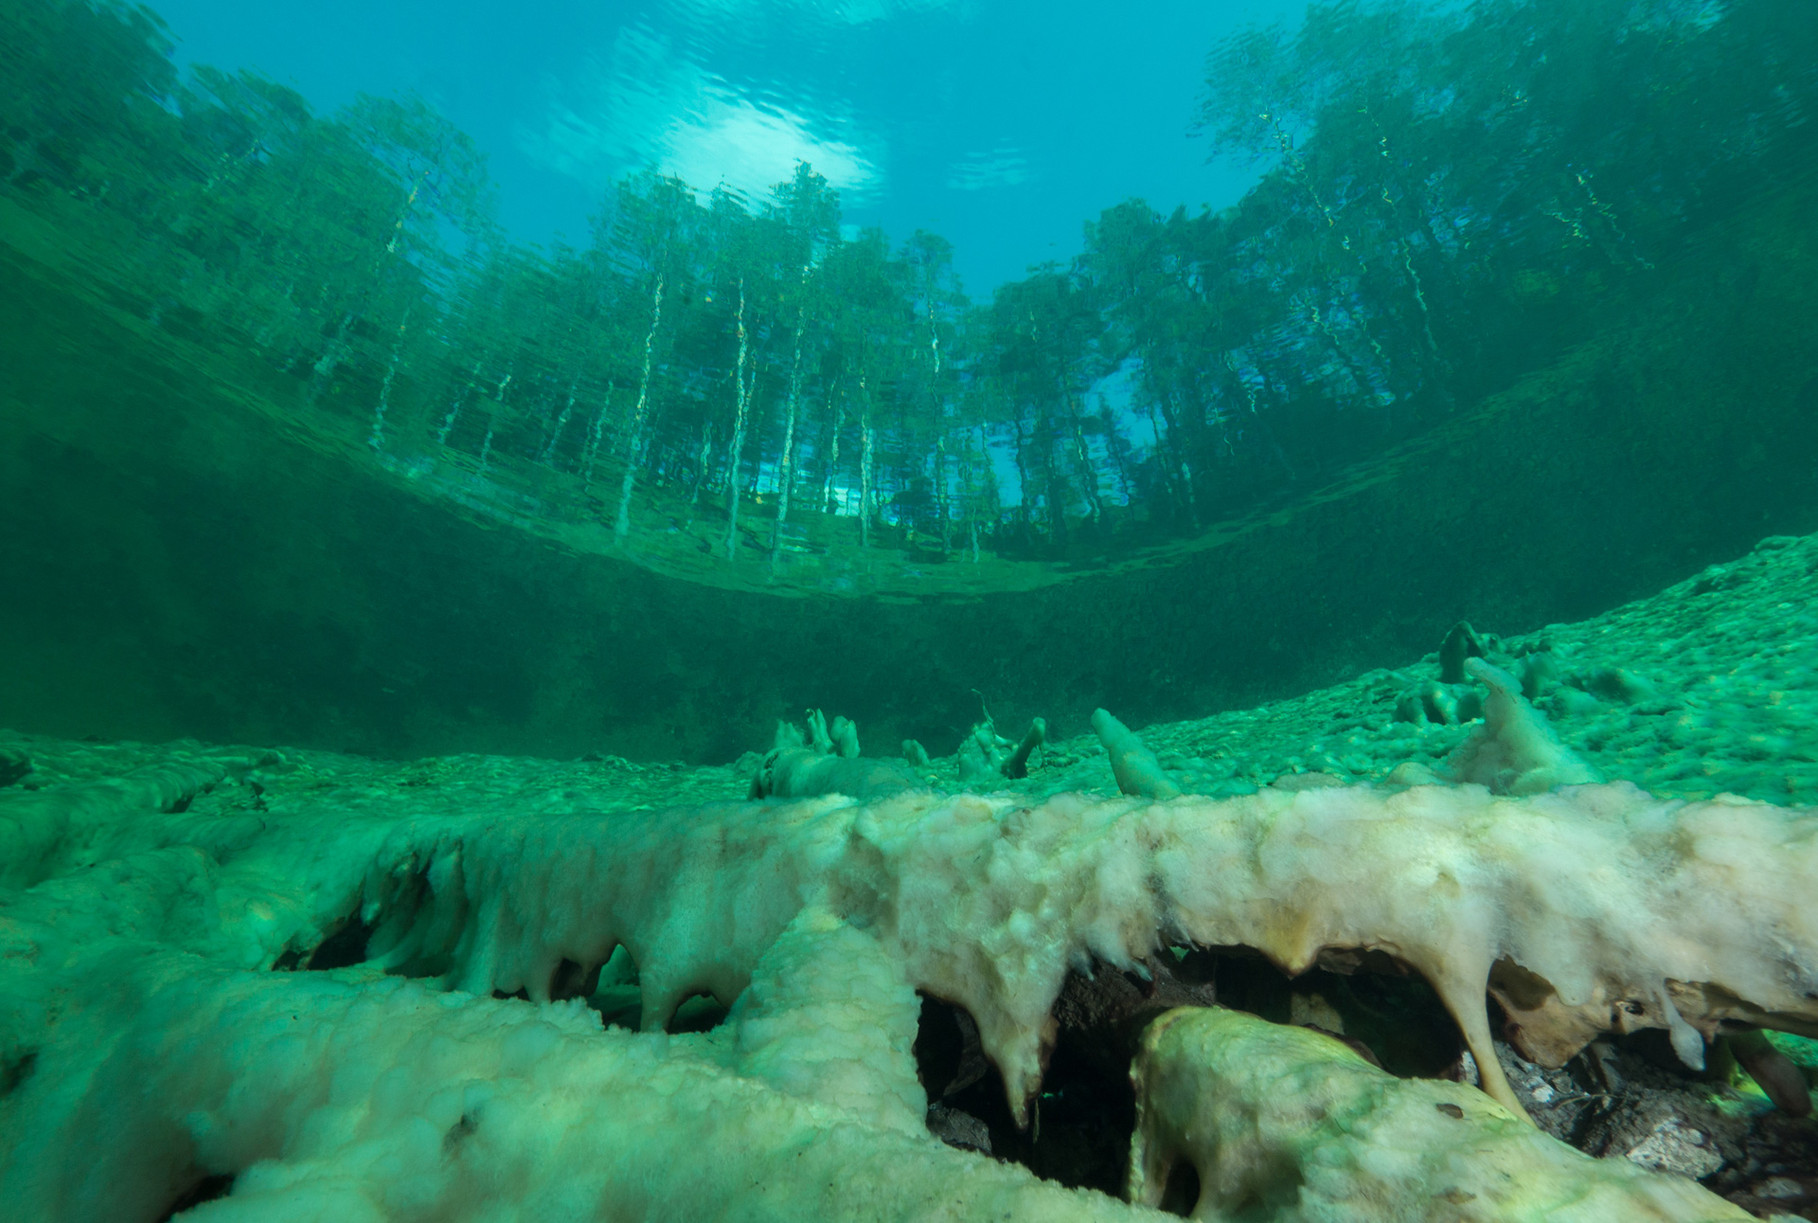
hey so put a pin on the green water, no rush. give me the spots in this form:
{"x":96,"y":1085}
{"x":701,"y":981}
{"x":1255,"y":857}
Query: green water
{"x":1508,"y":327}
{"x":544,"y":577}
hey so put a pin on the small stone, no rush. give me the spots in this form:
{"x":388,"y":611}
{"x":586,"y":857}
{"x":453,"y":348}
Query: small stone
{"x":1780,"y":1187}
{"x":958,"y":1129}
{"x":1677,"y":1148}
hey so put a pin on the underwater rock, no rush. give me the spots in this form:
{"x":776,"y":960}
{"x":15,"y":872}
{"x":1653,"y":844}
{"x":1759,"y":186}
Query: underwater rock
{"x":1539,"y":672}
{"x":1412,"y":773}
{"x":1617,"y":684}
{"x":958,"y":1129}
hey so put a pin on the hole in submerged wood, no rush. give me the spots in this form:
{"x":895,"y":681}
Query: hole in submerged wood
{"x":948,"y":1056}
{"x":1181,"y":1193}
{"x":460,"y":1131}
{"x":573,"y":980}
{"x":615,"y":993}
{"x":570,"y":979}
{"x":15,"y":1070}
{"x":1653,"y":1048}
{"x":1372,"y":1001}
{"x":342,"y":949}
{"x":1525,"y":990}
{"x":698,"y":1013}
{"x":1085,"y":1111}
{"x":1087,"y":1107}
{"x":205,"y":1189}
{"x":1083,"y":1115}
{"x":612,"y":989}
{"x":966,"y":1104}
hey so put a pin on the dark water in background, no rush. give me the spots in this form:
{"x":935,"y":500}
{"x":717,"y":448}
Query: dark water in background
{"x":296,"y":446}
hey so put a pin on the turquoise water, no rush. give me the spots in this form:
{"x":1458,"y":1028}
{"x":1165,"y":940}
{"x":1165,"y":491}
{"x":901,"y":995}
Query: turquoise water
{"x":1503,"y":297}
{"x":503,"y":415}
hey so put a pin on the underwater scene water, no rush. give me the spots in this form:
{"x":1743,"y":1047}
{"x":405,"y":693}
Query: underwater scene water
{"x":909,"y":609}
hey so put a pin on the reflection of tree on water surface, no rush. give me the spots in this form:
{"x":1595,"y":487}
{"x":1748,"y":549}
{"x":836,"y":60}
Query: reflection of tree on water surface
{"x":1452,"y":201}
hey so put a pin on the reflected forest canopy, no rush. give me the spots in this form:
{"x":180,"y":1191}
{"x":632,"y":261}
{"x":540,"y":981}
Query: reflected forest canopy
{"x":1449,"y":196}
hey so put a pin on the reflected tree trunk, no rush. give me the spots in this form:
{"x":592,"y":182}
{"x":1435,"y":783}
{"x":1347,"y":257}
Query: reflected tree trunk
{"x":736,"y":448}
{"x":621,"y":527}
